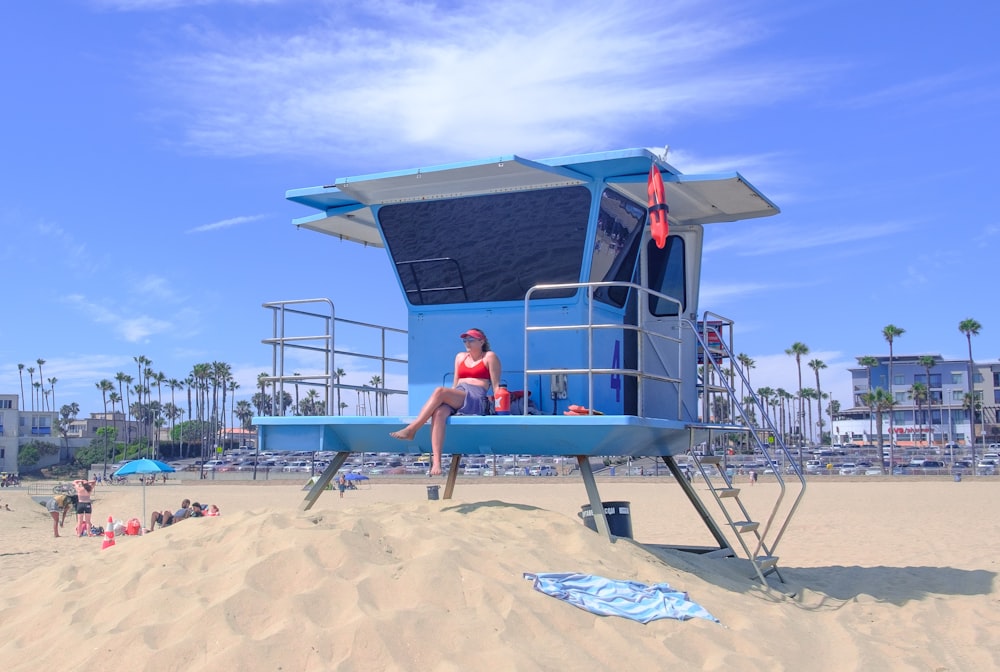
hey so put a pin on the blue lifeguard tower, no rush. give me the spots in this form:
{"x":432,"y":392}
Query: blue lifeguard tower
{"x":554,"y":260}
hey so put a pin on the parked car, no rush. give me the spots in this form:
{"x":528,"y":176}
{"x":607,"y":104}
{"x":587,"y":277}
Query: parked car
{"x":848,"y":469}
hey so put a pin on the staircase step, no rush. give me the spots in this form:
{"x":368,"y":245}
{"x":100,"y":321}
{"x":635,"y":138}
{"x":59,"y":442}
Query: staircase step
{"x":744,"y":526}
{"x":728,"y":492}
{"x":766,"y":561}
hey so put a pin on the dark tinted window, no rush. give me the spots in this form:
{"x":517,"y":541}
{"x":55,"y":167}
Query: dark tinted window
{"x":619,"y":231}
{"x":487,"y":248}
{"x":666,"y":275}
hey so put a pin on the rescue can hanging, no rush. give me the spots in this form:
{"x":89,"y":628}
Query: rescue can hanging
{"x":659,"y":228}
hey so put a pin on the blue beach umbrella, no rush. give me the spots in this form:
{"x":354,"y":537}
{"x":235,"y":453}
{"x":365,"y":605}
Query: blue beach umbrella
{"x":144,"y":467}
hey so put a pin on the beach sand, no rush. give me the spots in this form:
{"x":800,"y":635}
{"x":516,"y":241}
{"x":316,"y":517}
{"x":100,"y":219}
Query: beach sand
{"x":878,"y":575}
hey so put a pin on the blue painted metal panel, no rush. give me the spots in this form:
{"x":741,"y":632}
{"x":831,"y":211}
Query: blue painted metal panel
{"x":552,"y":435}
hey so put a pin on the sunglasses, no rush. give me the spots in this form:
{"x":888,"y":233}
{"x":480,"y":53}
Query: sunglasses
{"x":469,"y":339}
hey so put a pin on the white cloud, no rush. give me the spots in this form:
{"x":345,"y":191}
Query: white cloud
{"x":486,"y":77}
{"x":777,"y":239}
{"x":226,"y":223}
{"x":131,"y":329}
{"x":160,"y":5}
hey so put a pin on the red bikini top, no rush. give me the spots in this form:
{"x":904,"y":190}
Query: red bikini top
{"x":478,"y":370}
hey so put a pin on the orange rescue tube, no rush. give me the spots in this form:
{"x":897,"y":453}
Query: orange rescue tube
{"x":657,"y":207}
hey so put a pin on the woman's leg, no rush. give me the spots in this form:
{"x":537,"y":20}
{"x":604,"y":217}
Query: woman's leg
{"x":439,"y":421}
{"x":55,"y":523}
{"x":442,"y":395}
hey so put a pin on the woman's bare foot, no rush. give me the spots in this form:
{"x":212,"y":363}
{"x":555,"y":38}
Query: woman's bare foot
{"x":402,"y":434}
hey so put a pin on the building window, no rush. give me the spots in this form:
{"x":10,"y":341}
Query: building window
{"x":898,"y":379}
{"x":957,"y":395}
{"x":957,"y":377}
{"x":6,"y":403}
{"x":922,"y":378}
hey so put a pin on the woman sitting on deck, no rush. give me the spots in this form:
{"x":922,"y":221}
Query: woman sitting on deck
{"x":476,"y":368}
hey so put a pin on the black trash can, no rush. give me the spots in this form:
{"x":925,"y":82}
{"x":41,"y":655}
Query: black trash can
{"x":618,"y":515}
{"x":432,"y":491}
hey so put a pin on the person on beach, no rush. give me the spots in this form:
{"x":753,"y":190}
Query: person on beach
{"x":167,"y":518}
{"x":84,"y":506}
{"x":476,"y":368}
{"x":342,"y":485}
{"x":56,"y":504}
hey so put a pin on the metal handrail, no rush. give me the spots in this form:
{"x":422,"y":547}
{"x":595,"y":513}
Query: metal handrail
{"x":702,"y":338}
{"x":590,"y":327}
{"x":280,"y":341}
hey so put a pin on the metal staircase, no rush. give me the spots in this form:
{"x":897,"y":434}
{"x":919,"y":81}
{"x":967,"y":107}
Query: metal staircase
{"x":757,"y":540}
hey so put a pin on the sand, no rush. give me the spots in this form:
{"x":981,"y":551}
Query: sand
{"x":878,"y":575}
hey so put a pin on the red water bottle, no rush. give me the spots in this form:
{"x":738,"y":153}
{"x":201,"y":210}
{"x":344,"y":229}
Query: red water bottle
{"x":501,"y":401}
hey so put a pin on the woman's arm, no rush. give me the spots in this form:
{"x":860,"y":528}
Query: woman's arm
{"x":493,"y":366}
{"x":454,"y":377}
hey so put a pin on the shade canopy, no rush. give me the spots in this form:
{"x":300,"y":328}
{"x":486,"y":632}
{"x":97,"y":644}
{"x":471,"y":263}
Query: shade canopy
{"x":144,"y":466}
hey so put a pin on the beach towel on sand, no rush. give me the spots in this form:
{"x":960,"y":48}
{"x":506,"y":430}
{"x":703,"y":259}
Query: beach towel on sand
{"x":628,"y":599}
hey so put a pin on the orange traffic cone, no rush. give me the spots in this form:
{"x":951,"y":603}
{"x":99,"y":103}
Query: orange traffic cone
{"x":109,"y":534}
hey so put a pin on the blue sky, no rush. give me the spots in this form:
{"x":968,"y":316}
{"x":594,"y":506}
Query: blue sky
{"x":147,"y":146}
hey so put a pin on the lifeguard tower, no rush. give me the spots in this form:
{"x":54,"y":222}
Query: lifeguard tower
{"x":554,"y":260}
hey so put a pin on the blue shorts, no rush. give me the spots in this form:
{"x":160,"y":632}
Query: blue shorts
{"x":475,"y":399}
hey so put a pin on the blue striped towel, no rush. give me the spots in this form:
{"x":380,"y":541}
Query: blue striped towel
{"x":628,"y":599}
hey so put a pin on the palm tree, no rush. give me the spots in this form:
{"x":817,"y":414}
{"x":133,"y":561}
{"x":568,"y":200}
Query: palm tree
{"x":231,"y":387}
{"x":20,"y":374}
{"x":781,"y":395}
{"x":376,"y":382}
{"x":766,"y":395}
{"x":337,"y":375}
{"x":809,"y":393}
{"x":114,"y":399}
{"x":262,"y":384}
{"x":881,"y":401}
{"x":891,"y":332}
{"x":816,"y":365}
{"x":244,"y":412}
{"x":833,"y":408}
{"x":122,"y":378}
{"x":746,"y":361}
{"x":928,"y":362}
{"x":919,"y":394}
{"x":67,"y":414}
{"x":869,"y":363}
{"x":105,"y":386}
{"x":31,"y":377}
{"x":52,"y":389}
{"x":971,"y":328}
{"x":798,"y":350}
{"x":41,"y":378}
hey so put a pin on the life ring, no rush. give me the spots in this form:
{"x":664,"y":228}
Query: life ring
{"x":657,"y":207}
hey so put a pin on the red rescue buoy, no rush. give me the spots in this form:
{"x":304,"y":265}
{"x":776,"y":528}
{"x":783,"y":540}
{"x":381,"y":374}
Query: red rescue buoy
{"x":657,"y":207}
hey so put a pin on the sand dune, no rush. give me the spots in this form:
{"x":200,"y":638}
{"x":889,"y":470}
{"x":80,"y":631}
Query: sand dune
{"x":878,"y":575}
